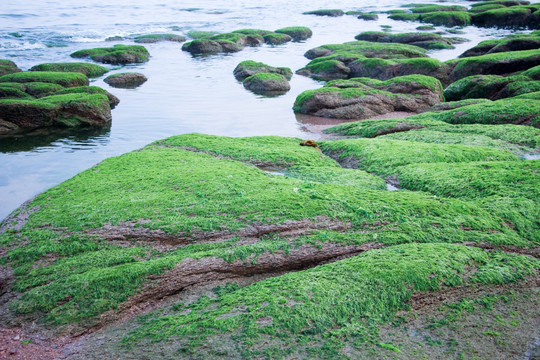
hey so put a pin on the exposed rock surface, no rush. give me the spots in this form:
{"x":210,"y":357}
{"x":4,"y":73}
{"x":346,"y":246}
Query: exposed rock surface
{"x":266,"y":82}
{"x":126,"y":80}
{"x":248,"y":68}
{"x":116,"y":55}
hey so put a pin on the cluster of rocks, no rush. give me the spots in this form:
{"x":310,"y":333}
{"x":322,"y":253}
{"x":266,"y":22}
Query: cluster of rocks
{"x":53,"y":96}
{"x":502,"y":14}
{"x":209,"y":43}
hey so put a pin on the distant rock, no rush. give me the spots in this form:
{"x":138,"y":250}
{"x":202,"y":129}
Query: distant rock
{"x":128,"y":80}
{"x":326,"y":12}
{"x":116,"y":55}
{"x":267,"y":82}
{"x":153,"y":38}
{"x":8,"y":67}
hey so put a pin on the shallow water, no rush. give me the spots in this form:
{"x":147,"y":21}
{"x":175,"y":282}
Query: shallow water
{"x":184,"y":94}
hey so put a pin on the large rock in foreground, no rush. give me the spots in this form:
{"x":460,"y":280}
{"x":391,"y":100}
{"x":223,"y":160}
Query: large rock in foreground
{"x":8,"y":67}
{"x":362,"y":98}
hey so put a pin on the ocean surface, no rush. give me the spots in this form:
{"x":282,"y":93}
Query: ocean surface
{"x":183,"y":94}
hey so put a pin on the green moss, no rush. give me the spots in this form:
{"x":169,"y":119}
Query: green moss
{"x":375,"y":50}
{"x":533,"y":96}
{"x":298,"y":33}
{"x":337,"y":176}
{"x":11,"y":92}
{"x":90,"y":70}
{"x":276,"y":39}
{"x":152,"y":38}
{"x":463,"y":138}
{"x":425,"y":28}
{"x":118,"y":54}
{"x":512,"y":179}
{"x":486,"y":7}
{"x":231,"y":37}
{"x":504,"y":111}
{"x":446,"y":18}
{"x":372,"y":128}
{"x":383,"y":157}
{"x":331,"y":307}
{"x":436,"y":8}
{"x":253,"y":32}
{"x":533,"y":73}
{"x":60,"y":78}
{"x":197,"y":34}
{"x":403,"y":16}
{"x":325,"y":12}
{"x":40,"y":89}
{"x":475,"y":86}
{"x":264,"y":150}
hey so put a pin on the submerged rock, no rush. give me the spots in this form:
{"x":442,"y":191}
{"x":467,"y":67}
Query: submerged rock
{"x":511,"y":43}
{"x":362,"y":98}
{"x":65,"y":79}
{"x":129,"y":80}
{"x":116,"y":55}
{"x":249,"y":67}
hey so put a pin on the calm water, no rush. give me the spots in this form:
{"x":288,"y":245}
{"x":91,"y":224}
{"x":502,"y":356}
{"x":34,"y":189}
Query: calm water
{"x":184,"y":94}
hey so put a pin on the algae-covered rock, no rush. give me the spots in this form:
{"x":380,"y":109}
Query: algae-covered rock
{"x":501,"y":63}
{"x":368,"y":49}
{"x":113,"y":100}
{"x":491,"y":87}
{"x":128,"y":80}
{"x":383,"y":69}
{"x":451,"y":105}
{"x":513,"y":43}
{"x":116,"y":55}
{"x":10,"y":92}
{"x":509,"y":17}
{"x":427,"y":41}
{"x":65,"y":79}
{"x":276,"y":38}
{"x":298,"y":33}
{"x":8,"y":67}
{"x":40,"y":89}
{"x":429,"y":8}
{"x":446,"y":18}
{"x":153,"y":38}
{"x":504,"y":111}
{"x":326,"y":12}
{"x":366,"y":16}
{"x":266,"y":83}
{"x":248,"y":68}
{"x":90,"y":70}
{"x":207,"y":46}
{"x":198,"y":34}
{"x":70,"y":110}
{"x":363,"y":98}
{"x":337,"y":176}
{"x":533,"y":73}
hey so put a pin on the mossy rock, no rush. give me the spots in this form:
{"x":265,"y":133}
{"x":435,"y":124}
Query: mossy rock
{"x":428,"y":41}
{"x":337,"y":176}
{"x":241,"y":39}
{"x":404,"y":16}
{"x":325,"y":12}
{"x":504,"y":111}
{"x":197,"y":34}
{"x":384,"y":157}
{"x":425,"y":28}
{"x":248,"y":68}
{"x":154,"y":38}
{"x":113,"y":100}
{"x":265,"y":151}
{"x":41,"y":89}
{"x":363,"y":98}
{"x":511,"y":43}
{"x":65,"y":79}
{"x":10,"y":92}
{"x":115,"y":38}
{"x":446,"y":18}
{"x":502,"y":63}
{"x":207,"y":46}
{"x":323,"y":69}
{"x":267,"y":83}
{"x":276,"y":38}
{"x":508,"y":17}
{"x":451,"y":105}
{"x":128,"y":80}
{"x":533,"y":73}
{"x":476,"y":86}
{"x":386,"y":69}
{"x":8,"y":67}
{"x":429,"y":8}
{"x":505,"y":3}
{"x":298,"y":33}
{"x":368,"y":16}
{"x":252,"y":32}
{"x":116,"y":55}
{"x":512,"y":179}
{"x":368,"y":49}
{"x":57,"y":111}
{"x":90,"y":70}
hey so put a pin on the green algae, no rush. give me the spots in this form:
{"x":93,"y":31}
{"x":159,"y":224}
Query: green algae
{"x":271,"y":151}
{"x":152,"y":38}
{"x":40,"y":89}
{"x":65,"y":79}
{"x":197,"y":34}
{"x":337,"y":176}
{"x":383,"y":157}
{"x":324,"y":309}
{"x":90,"y":70}
{"x":118,"y":54}
{"x":375,"y":50}
{"x":298,"y":33}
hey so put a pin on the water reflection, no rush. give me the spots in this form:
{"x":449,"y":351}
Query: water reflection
{"x":73,"y":140}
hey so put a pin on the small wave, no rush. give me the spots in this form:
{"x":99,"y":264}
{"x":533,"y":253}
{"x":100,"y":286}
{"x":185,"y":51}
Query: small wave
{"x":10,"y":45}
{"x":18,"y":15}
